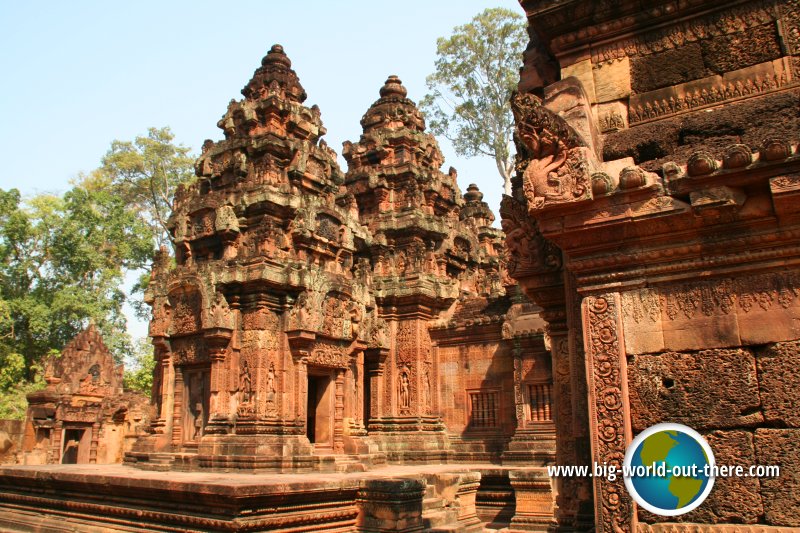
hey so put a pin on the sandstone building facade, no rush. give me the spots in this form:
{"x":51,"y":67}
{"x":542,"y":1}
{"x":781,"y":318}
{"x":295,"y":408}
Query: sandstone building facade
{"x":658,"y":161}
{"x":294,"y":331}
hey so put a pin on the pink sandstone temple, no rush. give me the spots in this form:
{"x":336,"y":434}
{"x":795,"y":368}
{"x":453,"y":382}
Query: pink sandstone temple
{"x":364,"y":351}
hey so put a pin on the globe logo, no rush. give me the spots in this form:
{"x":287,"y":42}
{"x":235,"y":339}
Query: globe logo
{"x":668,"y":469}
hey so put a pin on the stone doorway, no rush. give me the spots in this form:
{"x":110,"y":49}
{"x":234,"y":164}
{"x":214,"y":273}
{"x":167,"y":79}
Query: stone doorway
{"x":76,"y":445}
{"x":320,"y":409}
{"x":196,"y":400}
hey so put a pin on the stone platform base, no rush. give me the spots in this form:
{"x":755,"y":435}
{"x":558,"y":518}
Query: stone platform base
{"x":116,"y":498}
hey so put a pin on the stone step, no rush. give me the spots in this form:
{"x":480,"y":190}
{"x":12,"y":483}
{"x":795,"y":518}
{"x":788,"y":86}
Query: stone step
{"x":431,"y":504}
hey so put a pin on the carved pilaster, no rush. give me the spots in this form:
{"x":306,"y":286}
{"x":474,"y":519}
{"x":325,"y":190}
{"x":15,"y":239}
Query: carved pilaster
{"x":609,"y":411}
{"x":338,"y":413}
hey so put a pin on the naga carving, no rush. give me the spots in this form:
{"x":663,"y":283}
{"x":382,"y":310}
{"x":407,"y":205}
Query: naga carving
{"x":551,"y":155}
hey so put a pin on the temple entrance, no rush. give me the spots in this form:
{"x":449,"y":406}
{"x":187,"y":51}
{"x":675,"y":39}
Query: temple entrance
{"x":76,"y":445}
{"x":196,"y":395}
{"x":319,"y":412}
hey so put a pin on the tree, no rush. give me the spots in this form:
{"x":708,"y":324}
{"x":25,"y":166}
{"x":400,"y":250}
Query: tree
{"x":477,"y":69}
{"x":62,"y":261}
{"x":139,"y":367}
{"x":146,"y":173}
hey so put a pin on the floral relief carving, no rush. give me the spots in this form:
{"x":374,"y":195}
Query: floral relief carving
{"x":724,"y":296}
{"x":607,"y":406}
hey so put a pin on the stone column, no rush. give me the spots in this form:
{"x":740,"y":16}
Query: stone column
{"x":177,"y":412}
{"x":94,"y":442}
{"x":56,"y":443}
{"x":390,"y":505}
{"x":162,"y":425}
{"x":301,"y":387}
{"x":609,"y":409}
{"x":218,"y":420}
{"x":534,"y":500}
{"x":375,"y":366}
{"x":338,"y":413}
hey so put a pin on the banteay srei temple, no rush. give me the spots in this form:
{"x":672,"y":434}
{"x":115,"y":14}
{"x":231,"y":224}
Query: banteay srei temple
{"x":365,"y":350}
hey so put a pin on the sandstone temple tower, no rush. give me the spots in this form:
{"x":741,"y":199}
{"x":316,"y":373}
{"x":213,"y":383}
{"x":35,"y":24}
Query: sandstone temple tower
{"x":294,"y":330}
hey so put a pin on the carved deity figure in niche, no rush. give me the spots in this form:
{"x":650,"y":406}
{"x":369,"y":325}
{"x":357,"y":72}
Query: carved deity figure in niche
{"x":219,"y":312}
{"x":271,"y":408}
{"x":245,"y":383}
{"x":271,"y":379}
{"x":300,"y":317}
{"x":426,"y":391}
{"x":405,"y":391}
{"x":401,"y":263}
{"x":197,"y":414}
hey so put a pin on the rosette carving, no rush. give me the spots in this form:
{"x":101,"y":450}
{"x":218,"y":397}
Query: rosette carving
{"x":610,"y":421}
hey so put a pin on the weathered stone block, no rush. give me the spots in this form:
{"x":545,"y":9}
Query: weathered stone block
{"x":612,"y":81}
{"x":779,"y":383}
{"x":667,"y":68}
{"x":709,"y":389}
{"x":727,"y":53}
{"x":781,"y":495}
{"x":583,"y":71}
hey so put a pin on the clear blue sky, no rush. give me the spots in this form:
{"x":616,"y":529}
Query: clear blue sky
{"x":78,"y":74}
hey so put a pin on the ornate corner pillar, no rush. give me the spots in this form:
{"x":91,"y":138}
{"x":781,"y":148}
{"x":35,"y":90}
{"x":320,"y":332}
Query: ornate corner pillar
{"x":375,"y":367}
{"x":609,"y":408}
{"x":164,"y":388}
{"x":338,"y":412}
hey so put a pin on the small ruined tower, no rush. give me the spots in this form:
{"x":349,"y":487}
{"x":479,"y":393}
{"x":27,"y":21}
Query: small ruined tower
{"x":425,"y":251}
{"x":82,"y":415}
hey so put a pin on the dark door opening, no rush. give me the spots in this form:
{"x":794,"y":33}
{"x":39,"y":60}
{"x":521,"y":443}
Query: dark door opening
{"x":319,"y":411}
{"x":70,"y":454}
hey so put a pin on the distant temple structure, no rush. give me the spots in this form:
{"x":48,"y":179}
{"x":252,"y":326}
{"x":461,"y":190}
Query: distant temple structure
{"x":364,"y":351}
{"x":83,"y":415}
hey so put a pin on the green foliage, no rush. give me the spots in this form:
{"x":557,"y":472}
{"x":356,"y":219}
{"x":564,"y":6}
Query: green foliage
{"x":63,"y":260}
{"x":139,"y":368}
{"x":146,"y":172}
{"x":477,"y":70}
{"x":61,"y":265}
{"x":13,"y":399}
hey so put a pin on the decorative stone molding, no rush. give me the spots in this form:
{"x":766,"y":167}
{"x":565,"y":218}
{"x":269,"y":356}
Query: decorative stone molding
{"x":609,"y":415}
